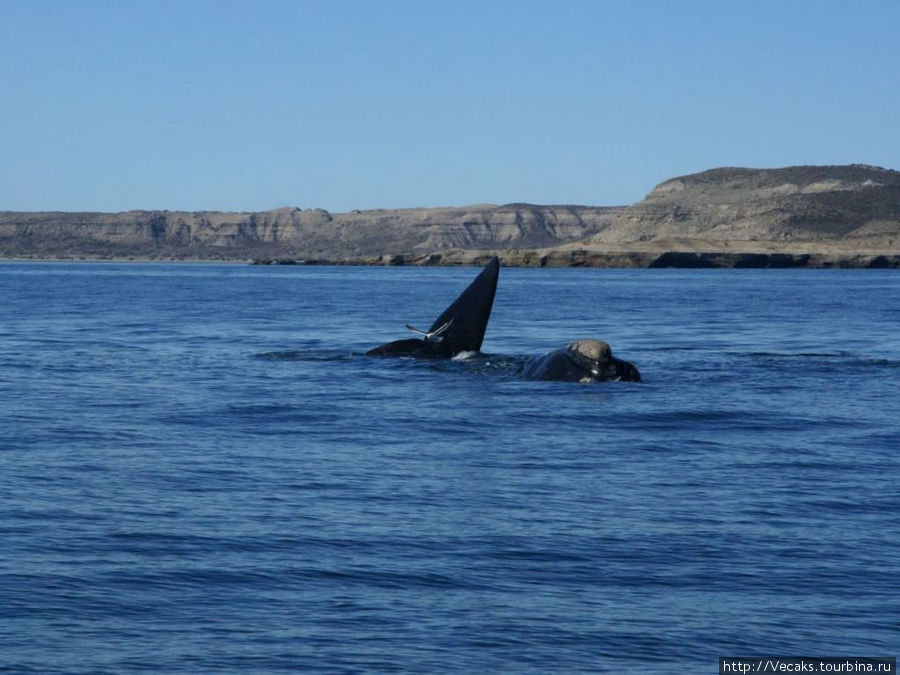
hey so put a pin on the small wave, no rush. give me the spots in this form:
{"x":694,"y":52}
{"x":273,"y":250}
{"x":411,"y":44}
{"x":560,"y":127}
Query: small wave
{"x":480,"y":363}
{"x":674,"y":348}
{"x":307,"y":355}
{"x":798,"y":355}
{"x":843,"y":356}
{"x":880,"y":362}
{"x":402,"y":579}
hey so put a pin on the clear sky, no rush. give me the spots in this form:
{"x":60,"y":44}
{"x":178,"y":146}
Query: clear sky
{"x":343,"y":104}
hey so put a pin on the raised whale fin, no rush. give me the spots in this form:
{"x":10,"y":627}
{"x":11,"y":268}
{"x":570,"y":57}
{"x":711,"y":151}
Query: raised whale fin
{"x":467,"y":316}
{"x":459,"y":328}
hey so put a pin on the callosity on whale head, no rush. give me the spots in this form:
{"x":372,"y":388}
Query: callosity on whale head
{"x":460,"y":328}
{"x":582,"y":361}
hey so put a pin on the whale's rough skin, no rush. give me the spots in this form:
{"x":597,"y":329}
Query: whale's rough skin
{"x":584,"y":360}
{"x":461,"y":325}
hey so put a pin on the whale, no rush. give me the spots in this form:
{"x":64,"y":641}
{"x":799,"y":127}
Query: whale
{"x":460,"y":328}
{"x":585,"y":360}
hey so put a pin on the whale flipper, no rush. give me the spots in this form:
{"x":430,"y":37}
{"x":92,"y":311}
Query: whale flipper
{"x":433,"y":336}
{"x":459,"y":328}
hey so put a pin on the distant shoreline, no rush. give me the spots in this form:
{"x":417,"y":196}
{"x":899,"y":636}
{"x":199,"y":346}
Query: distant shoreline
{"x":802,"y":216}
{"x":627,"y":259}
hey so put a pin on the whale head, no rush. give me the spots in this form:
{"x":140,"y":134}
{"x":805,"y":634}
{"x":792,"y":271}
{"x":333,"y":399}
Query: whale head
{"x":585,"y":360}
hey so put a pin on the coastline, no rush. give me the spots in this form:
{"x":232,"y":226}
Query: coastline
{"x":580,"y":257}
{"x":649,"y":257}
{"x":802,"y":216}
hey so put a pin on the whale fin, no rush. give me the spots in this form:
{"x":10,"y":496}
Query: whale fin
{"x":466,"y":318}
{"x":459,"y":328}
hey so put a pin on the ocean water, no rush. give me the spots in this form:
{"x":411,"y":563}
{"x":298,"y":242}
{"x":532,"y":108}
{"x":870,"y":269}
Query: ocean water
{"x":201,"y":472}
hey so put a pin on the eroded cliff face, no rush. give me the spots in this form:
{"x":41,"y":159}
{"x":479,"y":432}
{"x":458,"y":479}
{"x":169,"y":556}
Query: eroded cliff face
{"x":478,"y":227}
{"x":732,"y":210}
{"x":293,"y":232}
{"x":157,"y":233}
{"x":793,"y":204}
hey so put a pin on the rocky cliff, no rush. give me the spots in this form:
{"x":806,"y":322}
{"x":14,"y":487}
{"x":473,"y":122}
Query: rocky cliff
{"x":296,"y":233}
{"x":853,"y":204}
{"x":828,"y":214}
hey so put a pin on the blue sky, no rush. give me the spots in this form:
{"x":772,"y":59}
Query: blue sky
{"x":344,"y":104}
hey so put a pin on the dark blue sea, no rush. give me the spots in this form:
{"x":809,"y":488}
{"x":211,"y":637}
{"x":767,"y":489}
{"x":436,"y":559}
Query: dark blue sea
{"x":200,"y":472}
